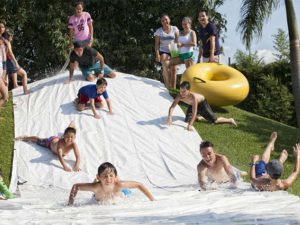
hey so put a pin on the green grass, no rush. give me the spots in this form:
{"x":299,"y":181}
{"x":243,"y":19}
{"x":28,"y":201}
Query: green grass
{"x":248,"y":138}
{"x":237,"y":143}
{"x":6,"y":139}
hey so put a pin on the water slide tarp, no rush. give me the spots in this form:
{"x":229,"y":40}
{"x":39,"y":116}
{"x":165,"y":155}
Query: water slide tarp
{"x":138,"y":142}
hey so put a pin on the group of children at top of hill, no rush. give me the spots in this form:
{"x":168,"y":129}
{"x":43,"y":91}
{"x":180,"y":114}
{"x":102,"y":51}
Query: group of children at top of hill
{"x":214,"y":168}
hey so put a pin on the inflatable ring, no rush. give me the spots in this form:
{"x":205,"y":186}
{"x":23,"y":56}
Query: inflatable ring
{"x":220,"y":84}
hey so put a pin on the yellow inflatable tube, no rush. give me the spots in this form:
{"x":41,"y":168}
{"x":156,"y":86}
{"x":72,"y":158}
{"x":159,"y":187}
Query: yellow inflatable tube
{"x":220,"y":84}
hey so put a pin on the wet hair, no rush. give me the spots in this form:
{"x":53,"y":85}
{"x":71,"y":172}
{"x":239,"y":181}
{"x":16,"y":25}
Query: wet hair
{"x":107,"y":166}
{"x":204,"y":10}
{"x":206,"y":144}
{"x":101,"y":81}
{"x":185,"y":85}
{"x":79,"y":3}
{"x":187,"y":19}
{"x":70,"y":130}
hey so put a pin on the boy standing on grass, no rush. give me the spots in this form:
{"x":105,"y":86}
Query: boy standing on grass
{"x":197,"y":105}
{"x":215,"y":168}
{"x":265,"y":174}
{"x":60,"y":146}
{"x":92,"y":93}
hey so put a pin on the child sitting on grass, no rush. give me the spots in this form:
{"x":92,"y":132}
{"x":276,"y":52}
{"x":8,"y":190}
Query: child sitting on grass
{"x":108,"y":185}
{"x":60,"y":146}
{"x":91,"y":93}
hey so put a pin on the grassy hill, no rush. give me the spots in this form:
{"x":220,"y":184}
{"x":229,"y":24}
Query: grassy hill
{"x":237,"y":143}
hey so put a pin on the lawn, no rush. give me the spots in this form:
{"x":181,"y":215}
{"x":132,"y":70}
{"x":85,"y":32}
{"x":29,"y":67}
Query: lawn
{"x":6,"y":139}
{"x":237,"y":143}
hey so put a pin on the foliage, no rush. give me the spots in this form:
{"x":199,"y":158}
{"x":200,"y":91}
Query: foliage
{"x":270,"y":90}
{"x":123,"y":31}
{"x":282,"y":46}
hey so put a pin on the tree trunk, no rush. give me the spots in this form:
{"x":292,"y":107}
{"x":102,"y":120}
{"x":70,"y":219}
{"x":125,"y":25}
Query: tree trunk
{"x":295,"y":54}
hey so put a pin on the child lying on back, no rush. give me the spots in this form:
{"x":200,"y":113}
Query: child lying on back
{"x":108,"y":185}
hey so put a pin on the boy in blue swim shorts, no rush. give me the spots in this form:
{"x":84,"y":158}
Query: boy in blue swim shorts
{"x":107,"y":185}
{"x":265,"y":174}
{"x":92,"y":93}
{"x":91,"y":63}
{"x":60,"y":146}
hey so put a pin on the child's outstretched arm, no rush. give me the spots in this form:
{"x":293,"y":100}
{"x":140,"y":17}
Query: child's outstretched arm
{"x":291,"y":179}
{"x":255,"y":158}
{"x":92,"y":102}
{"x":109,"y":106}
{"x":171,"y":109}
{"x":77,"y":157}
{"x":61,"y":159}
{"x":141,"y":187}
{"x":81,"y":187}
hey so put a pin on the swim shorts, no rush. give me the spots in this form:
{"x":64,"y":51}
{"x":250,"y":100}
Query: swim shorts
{"x":167,"y":53}
{"x":185,"y":56}
{"x":204,"y":110}
{"x":260,"y":168}
{"x":46,"y":142}
{"x":83,"y":99}
{"x":96,"y":69}
{"x":11,"y":67}
{"x":126,"y":192}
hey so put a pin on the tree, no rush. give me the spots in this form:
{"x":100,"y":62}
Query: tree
{"x":253,"y":15}
{"x":281,"y":45}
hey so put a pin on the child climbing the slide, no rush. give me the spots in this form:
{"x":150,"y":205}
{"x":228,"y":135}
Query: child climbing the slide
{"x":92,"y":94}
{"x":4,"y":192}
{"x":108,"y":186}
{"x":197,"y":105}
{"x":60,"y":146}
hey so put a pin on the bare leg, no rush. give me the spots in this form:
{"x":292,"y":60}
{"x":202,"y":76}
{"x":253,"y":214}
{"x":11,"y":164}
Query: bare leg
{"x":283,"y":156}
{"x":14,"y":80}
{"x":112,"y":74}
{"x":23,"y":74}
{"x":172,"y":76}
{"x":188,"y":62}
{"x":28,"y":138}
{"x":165,"y":68}
{"x":222,"y":120}
{"x":99,"y":105}
{"x":90,"y":77}
{"x":3,"y":93}
{"x":270,"y":147}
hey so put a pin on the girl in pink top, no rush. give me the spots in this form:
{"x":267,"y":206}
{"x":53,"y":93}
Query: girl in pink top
{"x":81,"y":26}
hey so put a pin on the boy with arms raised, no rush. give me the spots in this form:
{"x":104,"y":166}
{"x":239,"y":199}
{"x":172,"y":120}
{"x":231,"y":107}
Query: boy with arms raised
{"x":265,"y":174}
{"x":92,"y":93}
{"x":108,"y":186}
{"x":214,"y":168}
{"x":60,"y":146}
{"x":197,"y":105}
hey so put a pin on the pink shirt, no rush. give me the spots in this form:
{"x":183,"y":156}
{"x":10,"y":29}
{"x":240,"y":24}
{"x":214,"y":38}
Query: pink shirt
{"x":80,"y":26}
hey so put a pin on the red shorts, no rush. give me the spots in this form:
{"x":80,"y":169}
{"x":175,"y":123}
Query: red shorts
{"x":83,"y":99}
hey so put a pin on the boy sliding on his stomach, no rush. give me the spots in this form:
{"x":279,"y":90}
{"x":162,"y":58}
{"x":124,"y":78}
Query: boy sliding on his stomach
{"x":60,"y":146}
{"x":197,"y":105}
{"x":91,"y":93}
{"x":108,"y":185}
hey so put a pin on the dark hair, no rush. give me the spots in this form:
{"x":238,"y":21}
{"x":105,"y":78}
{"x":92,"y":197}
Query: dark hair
{"x":164,"y":14}
{"x":206,"y":144}
{"x":204,"y":10}
{"x":185,"y":85}
{"x":8,"y":33}
{"x":77,"y":44}
{"x":70,"y":130}
{"x":101,"y":81}
{"x":79,"y":3}
{"x":105,"y":166}
{"x":3,"y":22}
